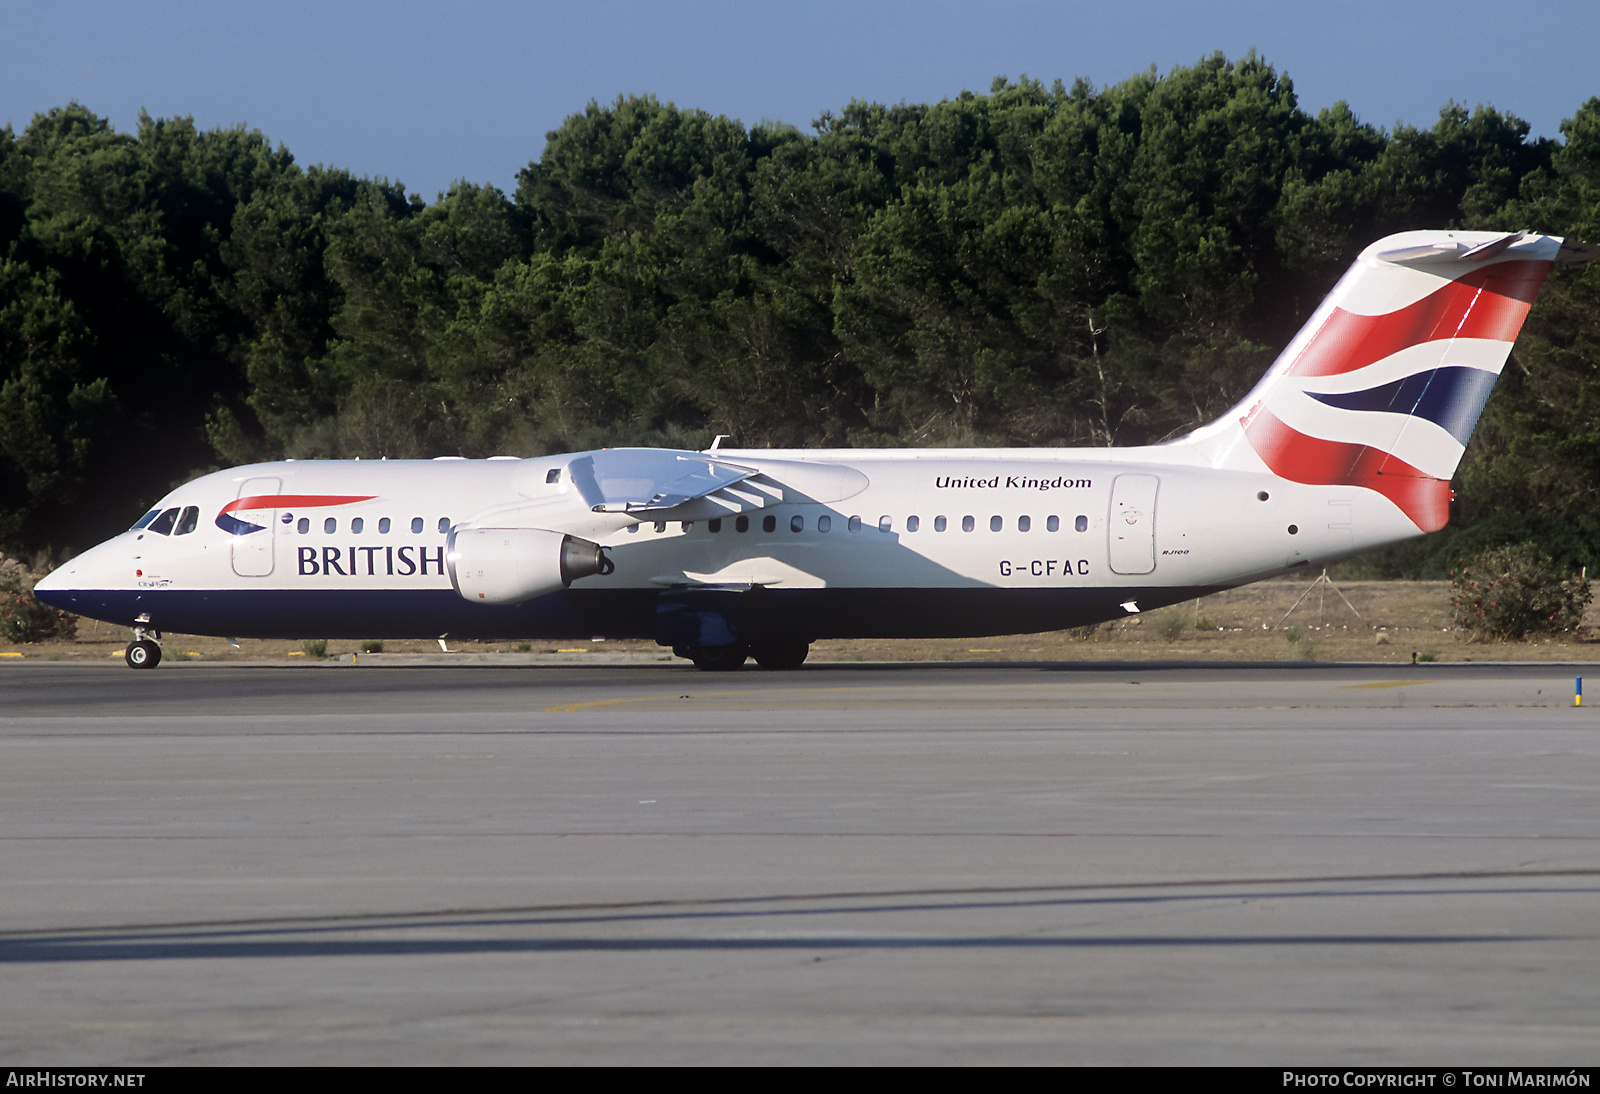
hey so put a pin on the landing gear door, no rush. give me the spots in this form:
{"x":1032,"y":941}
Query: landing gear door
{"x":1132,"y":524}
{"x":252,"y":520}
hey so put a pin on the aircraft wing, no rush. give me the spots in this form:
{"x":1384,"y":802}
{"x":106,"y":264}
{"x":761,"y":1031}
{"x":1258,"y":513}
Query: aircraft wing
{"x":632,"y":480}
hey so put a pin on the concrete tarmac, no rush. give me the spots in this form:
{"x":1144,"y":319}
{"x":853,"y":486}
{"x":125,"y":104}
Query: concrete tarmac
{"x":1330,"y":865}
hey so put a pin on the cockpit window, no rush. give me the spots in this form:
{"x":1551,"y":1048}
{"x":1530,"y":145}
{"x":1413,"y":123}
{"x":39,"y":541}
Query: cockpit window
{"x":145,"y":520}
{"x":189,"y":521}
{"x":163,"y":524}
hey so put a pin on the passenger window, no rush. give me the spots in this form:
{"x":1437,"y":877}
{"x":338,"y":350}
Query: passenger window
{"x":968,"y":524}
{"x":356,"y":524}
{"x":145,"y":520}
{"x":330,"y":526}
{"x":1024,"y":523}
{"x":189,"y":521}
{"x":1052,"y":524}
{"x":444,"y":525}
{"x":885,"y":524}
{"x":939,"y":524}
{"x":553,"y":475}
{"x":996,"y":523}
{"x":714,"y":524}
{"x":769,"y":523}
{"x":1081,"y":524}
{"x":416,"y":525}
{"x":797,"y":523}
{"x":383,"y":526}
{"x":912,"y":524}
{"x":824,"y":524}
{"x":304,"y":526}
{"x":854,"y":524}
{"x":162,"y":525}
{"x":741,"y":523}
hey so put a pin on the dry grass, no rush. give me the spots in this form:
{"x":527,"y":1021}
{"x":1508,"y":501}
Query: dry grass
{"x":1385,"y":621}
{"x":1396,"y":620}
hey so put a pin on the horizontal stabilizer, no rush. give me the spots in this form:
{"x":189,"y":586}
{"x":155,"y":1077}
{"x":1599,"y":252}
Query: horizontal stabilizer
{"x":1447,"y":249}
{"x":1575,"y":253}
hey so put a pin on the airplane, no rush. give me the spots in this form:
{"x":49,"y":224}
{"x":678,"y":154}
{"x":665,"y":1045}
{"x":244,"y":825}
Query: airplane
{"x":1347,"y":443}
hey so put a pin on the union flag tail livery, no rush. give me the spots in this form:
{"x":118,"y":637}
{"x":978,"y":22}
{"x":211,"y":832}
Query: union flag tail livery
{"x":1347,"y":443}
{"x":1382,"y":387}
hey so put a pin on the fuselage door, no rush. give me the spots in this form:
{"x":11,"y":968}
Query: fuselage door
{"x":252,"y":550}
{"x":1131,"y":528}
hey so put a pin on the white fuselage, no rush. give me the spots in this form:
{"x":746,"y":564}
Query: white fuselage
{"x":1348,"y":442}
{"x":850,"y":542}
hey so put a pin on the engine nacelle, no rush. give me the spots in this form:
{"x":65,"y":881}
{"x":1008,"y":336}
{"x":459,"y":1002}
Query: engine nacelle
{"x":510,"y":565}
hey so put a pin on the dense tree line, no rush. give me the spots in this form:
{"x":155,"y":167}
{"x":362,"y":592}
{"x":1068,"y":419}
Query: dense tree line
{"x":1035,"y":266}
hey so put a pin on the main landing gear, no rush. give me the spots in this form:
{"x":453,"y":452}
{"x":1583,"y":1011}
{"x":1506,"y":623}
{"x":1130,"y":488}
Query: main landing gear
{"x":143,"y":652}
{"x":769,"y":655}
{"x":781,"y":656}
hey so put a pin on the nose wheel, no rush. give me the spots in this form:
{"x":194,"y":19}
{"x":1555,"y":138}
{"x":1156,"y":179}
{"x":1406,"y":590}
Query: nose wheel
{"x":142,"y":652}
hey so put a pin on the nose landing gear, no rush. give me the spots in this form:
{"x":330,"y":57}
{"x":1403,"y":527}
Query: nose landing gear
{"x":143,"y":652}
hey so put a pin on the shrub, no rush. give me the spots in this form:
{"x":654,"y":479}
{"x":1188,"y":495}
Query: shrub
{"x":1170,"y":624}
{"x":372,"y":645}
{"x":316,"y":648}
{"x":23,"y":618}
{"x":1510,"y":593}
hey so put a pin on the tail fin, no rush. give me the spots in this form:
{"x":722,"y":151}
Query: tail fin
{"x":1382,"y":387}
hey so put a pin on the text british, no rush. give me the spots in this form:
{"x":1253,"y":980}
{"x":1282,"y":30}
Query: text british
{"x":371,"y":561}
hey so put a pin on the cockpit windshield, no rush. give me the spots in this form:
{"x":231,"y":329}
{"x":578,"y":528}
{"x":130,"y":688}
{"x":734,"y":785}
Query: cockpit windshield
{"x":146,"y":519}
{"x":163,"y":523}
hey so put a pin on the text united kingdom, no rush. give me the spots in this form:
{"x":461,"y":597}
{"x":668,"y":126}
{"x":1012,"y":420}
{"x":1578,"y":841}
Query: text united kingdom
{"x":1011,"y":482}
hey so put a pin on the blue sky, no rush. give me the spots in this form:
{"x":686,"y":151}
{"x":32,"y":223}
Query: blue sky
{"x":428,"y":93}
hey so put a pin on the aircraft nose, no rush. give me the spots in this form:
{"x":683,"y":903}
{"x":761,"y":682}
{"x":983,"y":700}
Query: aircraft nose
{"x":62,"y":586}
{"x":54,"y":588}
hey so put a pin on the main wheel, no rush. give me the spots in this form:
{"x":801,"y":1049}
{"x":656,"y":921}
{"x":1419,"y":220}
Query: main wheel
{"x":143,"y":654}
{"x":780,"y":655}
{"x":718,"y":658}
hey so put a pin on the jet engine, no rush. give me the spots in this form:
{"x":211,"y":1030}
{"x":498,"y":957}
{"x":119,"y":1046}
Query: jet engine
{"x":510,"y":565}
